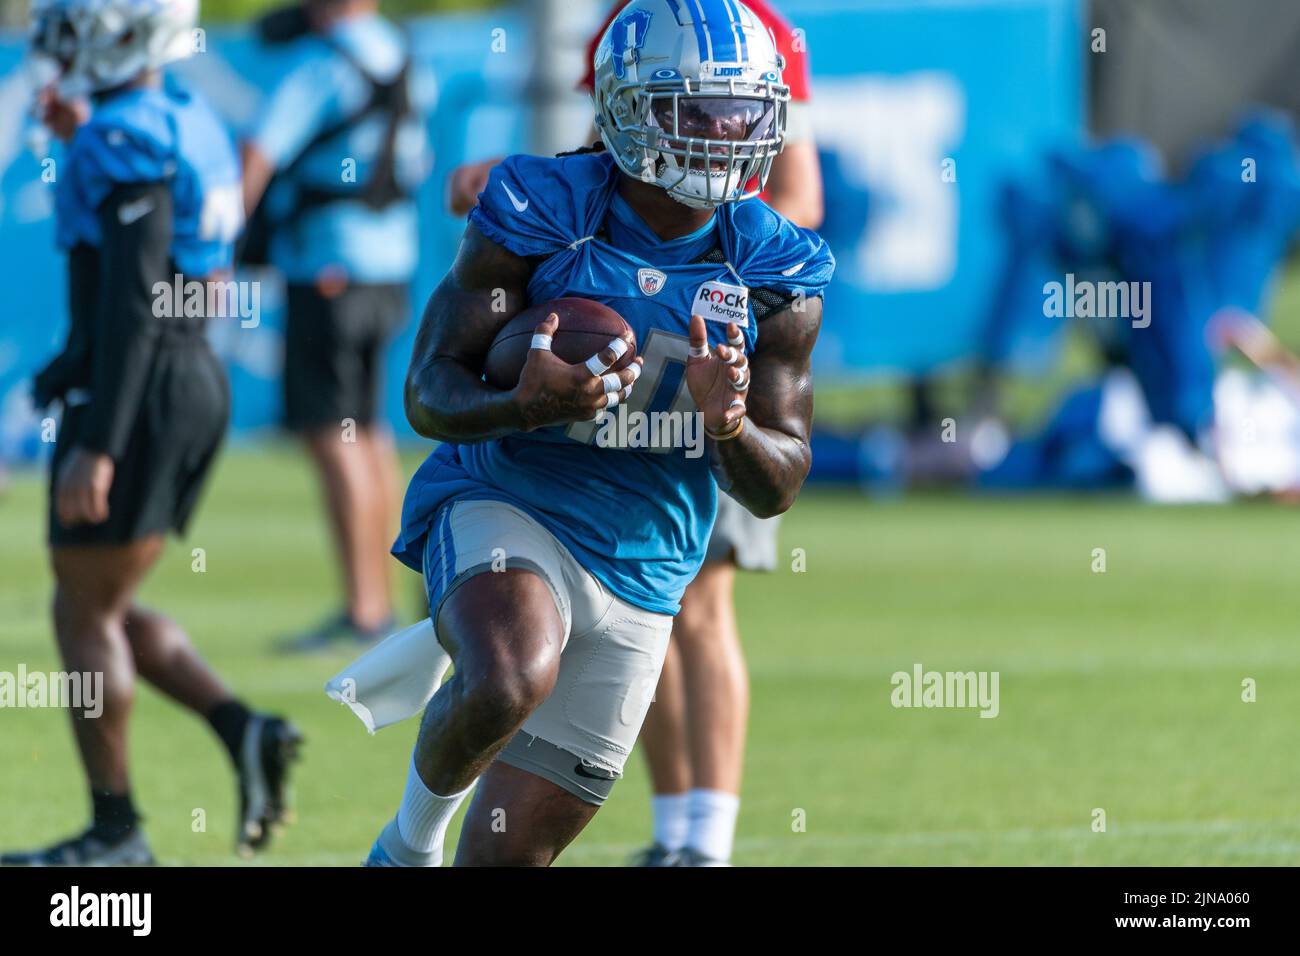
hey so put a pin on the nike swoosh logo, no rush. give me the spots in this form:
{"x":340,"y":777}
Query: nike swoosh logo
{"x":600,"y":774}
{"x":135,"y":211}
{"x":793,"y":269}
{"x":514,"y":200}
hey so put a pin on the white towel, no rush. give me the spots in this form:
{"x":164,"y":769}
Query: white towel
{"x":394,"y":679}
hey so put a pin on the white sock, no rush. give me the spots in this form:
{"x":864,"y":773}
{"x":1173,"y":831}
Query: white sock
{"x":423,"y":817}
{"x":712,"y":823}
{"x":672,"y":819}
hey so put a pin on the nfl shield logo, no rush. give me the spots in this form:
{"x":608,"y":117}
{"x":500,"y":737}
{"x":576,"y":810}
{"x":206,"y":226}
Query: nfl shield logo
{"x":650,"y":280}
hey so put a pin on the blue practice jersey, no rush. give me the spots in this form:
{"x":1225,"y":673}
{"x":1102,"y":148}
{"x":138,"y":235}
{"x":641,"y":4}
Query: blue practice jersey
{"x":167,"y":134}
{"x":638,"y":518}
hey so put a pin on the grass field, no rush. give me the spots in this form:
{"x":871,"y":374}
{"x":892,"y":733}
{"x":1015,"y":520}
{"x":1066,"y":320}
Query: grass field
{"x":1120,"y":691}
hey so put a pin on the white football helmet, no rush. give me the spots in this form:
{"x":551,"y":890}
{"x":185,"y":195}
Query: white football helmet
{"x":100,"y":44}
{"x":689,"y":95}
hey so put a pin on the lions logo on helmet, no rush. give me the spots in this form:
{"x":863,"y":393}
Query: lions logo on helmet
{"x":100,"y":44}
{"x":688,"y":95}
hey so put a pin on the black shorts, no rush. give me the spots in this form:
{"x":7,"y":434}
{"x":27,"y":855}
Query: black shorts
{"x":334,"y":353}
{"x":173,"y":444}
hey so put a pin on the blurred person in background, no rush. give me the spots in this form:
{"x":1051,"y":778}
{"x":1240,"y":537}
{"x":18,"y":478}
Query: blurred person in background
{"x":694,"y":735}
{"x":147,"y":193}
{"x":330,"y":170}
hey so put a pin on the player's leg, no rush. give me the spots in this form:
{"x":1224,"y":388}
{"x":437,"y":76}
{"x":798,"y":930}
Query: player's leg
{"x":494,"y":589}
{"x":504,"y":634}
{"x":390,"y":309}
{"x":505,"y":593}
{"x":366,"y":322}
{"x":572,"y":748}
{"x":385,"y":487}
{"x":346,"y":469}
{"x":328,"y":402}
{"x":92,"y":592}
{"x":716,"y":680}
{"x":663,"y":741}
{"x":519,"y":819}
{"x":716,"y":687}
{"x":93,"y":588}
{"x":260,"y":746}
{"x":164,"y":656}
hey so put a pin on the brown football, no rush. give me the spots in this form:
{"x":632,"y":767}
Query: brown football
{"x":585,"y":328}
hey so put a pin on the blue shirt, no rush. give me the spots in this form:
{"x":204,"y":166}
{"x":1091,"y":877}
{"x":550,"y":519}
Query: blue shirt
{"x":155,"y":134}
{"x":637,"y":518}
{"x":320,"y":89}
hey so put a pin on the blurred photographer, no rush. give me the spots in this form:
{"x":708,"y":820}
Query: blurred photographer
{"x":330,"y":169}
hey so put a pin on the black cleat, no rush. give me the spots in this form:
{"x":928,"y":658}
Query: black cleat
{"x":654,"y":855}
{"x":92,"y":848}
{"x":270,"y":745}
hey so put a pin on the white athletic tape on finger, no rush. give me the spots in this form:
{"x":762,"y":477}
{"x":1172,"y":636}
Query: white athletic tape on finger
{"x":743,"y":384}
{"x":596,"y":367}
{"x":541,"y":341}
{"x":635,"y":370}
{"x":736,"y":356}
{"x":611,"y":382}
{"x":611,"y":399}
{"x":737,"y":403}
{"x":738,"y":341}
{"x":699,"y":351}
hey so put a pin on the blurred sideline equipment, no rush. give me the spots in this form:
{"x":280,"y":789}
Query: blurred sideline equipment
{"x":1258,"y":433}
{"x":1197,"y":250}
{"x":1256,"y":341}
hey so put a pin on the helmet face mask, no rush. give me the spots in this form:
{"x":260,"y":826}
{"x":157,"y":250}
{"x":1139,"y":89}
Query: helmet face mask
{"x":97,"y":45}
{"x":715,"y":144}
{"x":702,"y":130}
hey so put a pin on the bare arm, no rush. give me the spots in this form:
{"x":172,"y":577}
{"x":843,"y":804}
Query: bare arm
{"x":469,"y":179}
{"x":257,"y":172}
{"x":465,"y":183}
{"x":446,"y":397}
{"x":768,"y":461}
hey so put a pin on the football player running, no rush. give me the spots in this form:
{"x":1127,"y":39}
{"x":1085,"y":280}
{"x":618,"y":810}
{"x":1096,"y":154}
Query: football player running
{"x":558,"y":652}
{"x":693,"y":737}
{"x":148,"y":194}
